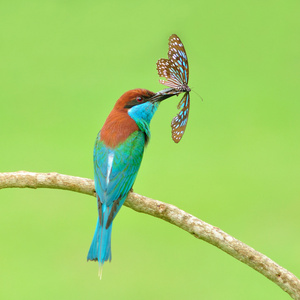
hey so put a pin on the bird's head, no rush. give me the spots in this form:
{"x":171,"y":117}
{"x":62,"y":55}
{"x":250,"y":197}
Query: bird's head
{"x":140,"y":97}
{"x":141,"y":104}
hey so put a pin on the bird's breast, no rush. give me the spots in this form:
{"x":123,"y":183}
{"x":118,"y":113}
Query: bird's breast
{"x":117,"y":128}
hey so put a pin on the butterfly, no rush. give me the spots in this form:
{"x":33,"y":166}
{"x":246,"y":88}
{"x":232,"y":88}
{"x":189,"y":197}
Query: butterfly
{"x":176,"y":71}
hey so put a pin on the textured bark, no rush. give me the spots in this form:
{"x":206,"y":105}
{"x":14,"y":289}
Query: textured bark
{"x":170,"y":213}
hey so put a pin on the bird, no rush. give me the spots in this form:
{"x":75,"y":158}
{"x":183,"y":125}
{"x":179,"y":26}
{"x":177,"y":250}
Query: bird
{"x":176,"y":71}
{"x":118,"y":153}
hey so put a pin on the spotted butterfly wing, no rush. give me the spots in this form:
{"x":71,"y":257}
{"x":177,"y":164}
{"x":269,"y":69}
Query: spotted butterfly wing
{"x":176,"y":71}
{"x":179,"y":122}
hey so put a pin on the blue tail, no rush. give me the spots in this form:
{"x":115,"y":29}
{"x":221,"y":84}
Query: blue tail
{"x":100,"y":248}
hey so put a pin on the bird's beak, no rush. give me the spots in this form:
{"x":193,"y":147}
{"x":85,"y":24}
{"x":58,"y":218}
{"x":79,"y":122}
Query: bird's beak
{"x":164,"y":94}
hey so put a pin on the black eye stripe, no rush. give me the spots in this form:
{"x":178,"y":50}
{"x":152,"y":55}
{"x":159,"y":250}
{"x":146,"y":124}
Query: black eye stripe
{"x":136,"y":101}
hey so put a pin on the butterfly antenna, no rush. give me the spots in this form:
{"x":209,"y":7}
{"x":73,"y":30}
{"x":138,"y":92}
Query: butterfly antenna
{"x":197,"y":94}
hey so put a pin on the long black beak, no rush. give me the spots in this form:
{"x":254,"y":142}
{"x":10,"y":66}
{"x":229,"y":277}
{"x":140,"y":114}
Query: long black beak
{"x":164,"y":94}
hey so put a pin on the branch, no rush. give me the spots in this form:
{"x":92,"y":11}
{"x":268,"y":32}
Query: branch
{"x":170,"y":213}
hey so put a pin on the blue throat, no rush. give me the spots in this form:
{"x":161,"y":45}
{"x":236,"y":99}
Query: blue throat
{"x":142,"y":115}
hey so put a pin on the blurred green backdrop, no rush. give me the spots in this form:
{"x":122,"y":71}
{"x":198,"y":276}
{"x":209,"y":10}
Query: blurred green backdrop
{"x":65,"y":63}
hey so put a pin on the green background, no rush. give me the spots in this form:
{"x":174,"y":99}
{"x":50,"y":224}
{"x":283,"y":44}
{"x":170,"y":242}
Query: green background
{"x":65,"y":63}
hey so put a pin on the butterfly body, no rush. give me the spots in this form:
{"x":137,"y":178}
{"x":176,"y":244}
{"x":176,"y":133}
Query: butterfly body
{"x":176,"y":71}
{"x":183,"y":88}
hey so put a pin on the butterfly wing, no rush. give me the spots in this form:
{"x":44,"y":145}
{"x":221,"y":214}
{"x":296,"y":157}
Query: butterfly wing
{"x":175,"y":69}
{"x":179,"y":58}
{"x":168,"y":69}
{"x":163,"y":67}
{"x":180,"y":121}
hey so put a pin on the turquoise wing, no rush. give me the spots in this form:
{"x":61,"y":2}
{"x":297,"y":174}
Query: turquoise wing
{"x":115,"y":171}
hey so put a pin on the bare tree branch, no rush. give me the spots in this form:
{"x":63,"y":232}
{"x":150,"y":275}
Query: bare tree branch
{"x":201,"y":230}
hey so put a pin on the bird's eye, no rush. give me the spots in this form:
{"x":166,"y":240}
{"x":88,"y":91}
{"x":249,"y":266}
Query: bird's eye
{"x":139,"y":99}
